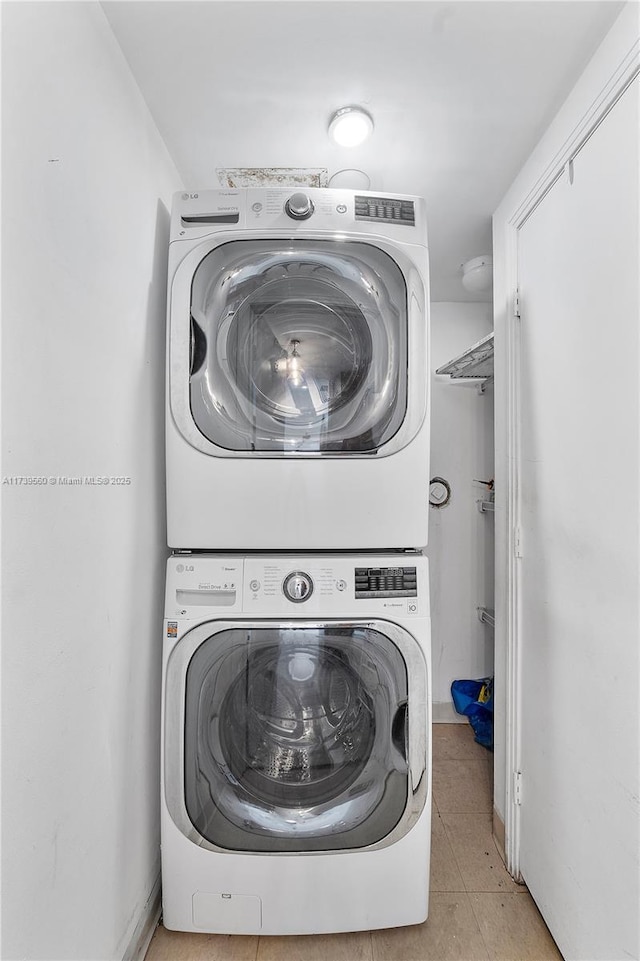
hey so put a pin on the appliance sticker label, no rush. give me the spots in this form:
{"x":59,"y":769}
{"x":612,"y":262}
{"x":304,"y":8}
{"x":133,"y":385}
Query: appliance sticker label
{"x":172,"y":629}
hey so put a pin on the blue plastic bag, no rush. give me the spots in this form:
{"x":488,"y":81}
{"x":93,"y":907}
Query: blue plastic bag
{"x":474,"y":699}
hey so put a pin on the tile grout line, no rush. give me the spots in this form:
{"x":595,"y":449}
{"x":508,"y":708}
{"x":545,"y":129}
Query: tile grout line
{"x":455,"y":857}
{"x":490,"y":954}
{"x":446,"y":832}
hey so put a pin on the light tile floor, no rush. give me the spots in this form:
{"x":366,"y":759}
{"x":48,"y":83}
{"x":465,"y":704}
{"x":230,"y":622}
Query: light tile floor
{"x":476,"y":911}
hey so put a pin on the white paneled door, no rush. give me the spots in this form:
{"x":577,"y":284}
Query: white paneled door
{"x":578,"y":265}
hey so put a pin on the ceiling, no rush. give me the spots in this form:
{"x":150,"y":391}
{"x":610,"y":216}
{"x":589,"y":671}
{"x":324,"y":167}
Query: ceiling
{"x":460,"y":93}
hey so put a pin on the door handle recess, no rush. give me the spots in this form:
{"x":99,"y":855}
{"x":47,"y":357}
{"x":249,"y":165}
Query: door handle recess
{"x":197,"y":348}
{"x":400,"y":729}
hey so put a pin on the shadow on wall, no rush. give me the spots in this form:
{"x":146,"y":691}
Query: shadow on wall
{"x":155,"y":365}
{"x":142,"y":685}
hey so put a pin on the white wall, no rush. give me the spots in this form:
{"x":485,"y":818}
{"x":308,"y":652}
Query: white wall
{"x":460,"y":537}
{"x":86,"y":182}
{"x":578,"y":257}
{"x":613,"y":58}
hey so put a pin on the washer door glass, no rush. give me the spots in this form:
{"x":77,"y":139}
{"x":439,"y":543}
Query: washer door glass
{"x":295,"y":738}
{"x":298,"y":347}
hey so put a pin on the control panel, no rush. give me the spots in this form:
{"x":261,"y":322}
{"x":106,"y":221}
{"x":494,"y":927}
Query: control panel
{"x":207,"y":212}
{"x":297,"y":585}
{"x":335,"y":586}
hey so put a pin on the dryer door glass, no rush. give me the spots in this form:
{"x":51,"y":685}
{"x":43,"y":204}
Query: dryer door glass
{"x":298,"y":347}
{"x":295,"y":738}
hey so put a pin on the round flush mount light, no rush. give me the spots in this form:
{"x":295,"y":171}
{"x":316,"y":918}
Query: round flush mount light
{"x":350,"y":126}
{"x":477,"y":274}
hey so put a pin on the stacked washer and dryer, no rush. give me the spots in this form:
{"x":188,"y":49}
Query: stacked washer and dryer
{"x":296,"y":746}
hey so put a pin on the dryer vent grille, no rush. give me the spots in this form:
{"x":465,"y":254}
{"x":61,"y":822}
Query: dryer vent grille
{"x":272,"y":176}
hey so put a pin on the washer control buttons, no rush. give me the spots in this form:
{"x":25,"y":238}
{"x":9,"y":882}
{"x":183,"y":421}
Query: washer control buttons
{"x":254,"y":585}
{"x":297,"y":587}
{"x":386,"y":582}
{"x":341,"y":585}
{"x":299,"y":206}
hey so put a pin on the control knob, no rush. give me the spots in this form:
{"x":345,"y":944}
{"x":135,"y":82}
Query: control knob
{"x":297,"y":587}
{"x":299,"y":206}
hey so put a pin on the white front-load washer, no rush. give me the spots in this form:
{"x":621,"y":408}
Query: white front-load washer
{"x":296,"y":754}
{"x":297,"y":391}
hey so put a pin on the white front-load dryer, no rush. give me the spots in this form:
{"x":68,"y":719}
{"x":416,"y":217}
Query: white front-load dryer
{"x":297,"y":391}
{"x":296,"y":749}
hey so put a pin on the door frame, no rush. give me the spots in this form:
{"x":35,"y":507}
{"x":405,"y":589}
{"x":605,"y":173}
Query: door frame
{"x":614,"y":67}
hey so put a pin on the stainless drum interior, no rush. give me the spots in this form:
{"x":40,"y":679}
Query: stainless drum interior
{"x":300,"y":351}
{"x":308,"y":725}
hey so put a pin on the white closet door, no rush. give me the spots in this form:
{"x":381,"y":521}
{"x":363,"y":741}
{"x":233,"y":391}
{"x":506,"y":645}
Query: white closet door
{"x":578,"y":263}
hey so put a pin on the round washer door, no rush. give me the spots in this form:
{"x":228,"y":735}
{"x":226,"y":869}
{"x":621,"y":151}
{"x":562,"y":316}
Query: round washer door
{"x":293,"y":738}
{"x":298,"y":347}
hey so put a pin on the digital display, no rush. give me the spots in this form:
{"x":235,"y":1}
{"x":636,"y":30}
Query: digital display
{"x":385,"y":210}
{"x":386,"y":582}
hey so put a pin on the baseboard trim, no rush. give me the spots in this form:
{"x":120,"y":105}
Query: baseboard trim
{"x":443,"y":712}
{"x":499,"y":839}
{"x":147,"y":923}
{"x":499,"y":835}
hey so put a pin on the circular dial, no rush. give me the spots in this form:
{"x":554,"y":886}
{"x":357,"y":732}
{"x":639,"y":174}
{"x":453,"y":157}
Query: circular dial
{"x":297,"y":587}
{"x":299,"y":206}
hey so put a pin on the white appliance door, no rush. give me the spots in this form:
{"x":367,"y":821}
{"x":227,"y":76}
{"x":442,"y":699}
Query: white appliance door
{"x":298,"y":347}
{"x":578,"y":257}
{"x":296,"y":737}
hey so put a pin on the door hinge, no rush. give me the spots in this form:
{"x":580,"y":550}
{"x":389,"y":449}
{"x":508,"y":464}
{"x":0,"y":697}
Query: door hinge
{"x":517,"y":542}
{"x":569,"y":171}
{"x":516,"y":302}
{"x":517,"y":787}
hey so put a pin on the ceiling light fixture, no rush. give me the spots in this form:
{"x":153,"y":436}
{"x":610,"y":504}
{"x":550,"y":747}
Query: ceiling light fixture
{"x":350,"y":126}
{"x":477,"y":274}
